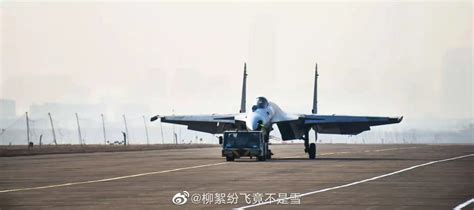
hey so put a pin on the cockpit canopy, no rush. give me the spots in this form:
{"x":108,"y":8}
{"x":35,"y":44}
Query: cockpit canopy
{"x":261,"y":103}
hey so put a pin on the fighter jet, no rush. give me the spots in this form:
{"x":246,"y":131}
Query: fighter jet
{"x":265,"y":114}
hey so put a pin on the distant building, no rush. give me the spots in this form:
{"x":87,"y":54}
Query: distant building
{"x":7,"y":109}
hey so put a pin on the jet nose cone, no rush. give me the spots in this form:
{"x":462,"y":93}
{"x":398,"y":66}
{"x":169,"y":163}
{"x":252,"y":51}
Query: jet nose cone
{"x":255,"y":126}
{"x":254,"y":123}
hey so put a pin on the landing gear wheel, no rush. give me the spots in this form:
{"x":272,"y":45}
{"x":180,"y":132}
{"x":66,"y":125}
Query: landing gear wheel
{"x":269,"y":155}
{"x":312,"y":151}
{"x":229,"y":158}
{"x":261,"y":158}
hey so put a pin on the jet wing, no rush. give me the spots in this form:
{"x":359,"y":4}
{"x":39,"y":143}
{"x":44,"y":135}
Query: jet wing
{"x":214,"y":124}
{"x":331,"y":124}
{"x":349,"y":125}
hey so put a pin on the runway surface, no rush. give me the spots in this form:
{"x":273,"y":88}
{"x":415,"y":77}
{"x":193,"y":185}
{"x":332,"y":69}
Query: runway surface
{"x":342,"y":177}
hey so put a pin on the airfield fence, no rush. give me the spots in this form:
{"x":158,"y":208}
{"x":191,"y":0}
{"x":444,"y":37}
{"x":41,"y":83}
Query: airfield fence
{"x":45,"y":130}
{"x":38,"y":129}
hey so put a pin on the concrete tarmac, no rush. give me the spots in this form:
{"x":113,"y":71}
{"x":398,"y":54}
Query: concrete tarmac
{"x":340,"y":178}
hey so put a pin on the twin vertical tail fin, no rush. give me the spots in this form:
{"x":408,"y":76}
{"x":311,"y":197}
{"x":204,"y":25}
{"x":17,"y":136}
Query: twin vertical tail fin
{"x":315,"y":96}
{"x":244,"y":90}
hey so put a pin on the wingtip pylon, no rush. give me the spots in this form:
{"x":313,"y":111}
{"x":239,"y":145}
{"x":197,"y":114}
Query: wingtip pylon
{"x":154,"y":118}
{"x":400,"y":118}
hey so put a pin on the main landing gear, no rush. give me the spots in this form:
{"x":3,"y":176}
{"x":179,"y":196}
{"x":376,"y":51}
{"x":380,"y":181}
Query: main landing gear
{"x":309,"y":148}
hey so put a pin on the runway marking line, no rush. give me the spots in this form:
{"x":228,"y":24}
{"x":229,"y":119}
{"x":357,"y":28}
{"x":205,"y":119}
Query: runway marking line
{"x":462,"y":205}
{"x":152,"y":173}
{"x":389,"y":149}
{"x":112,"y":179}
{"x":361,"y":181}
{"x":336,"y":153}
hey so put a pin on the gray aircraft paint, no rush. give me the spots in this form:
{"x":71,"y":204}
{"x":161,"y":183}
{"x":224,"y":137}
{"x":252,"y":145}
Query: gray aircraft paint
{"x":291,"y":126}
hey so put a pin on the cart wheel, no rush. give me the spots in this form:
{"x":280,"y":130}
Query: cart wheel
{"x":269,"y":154}
{"x":229,"y":158}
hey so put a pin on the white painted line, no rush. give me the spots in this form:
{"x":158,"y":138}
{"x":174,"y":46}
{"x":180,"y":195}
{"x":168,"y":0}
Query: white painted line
{"x":111,"y":179}
{"x":335,"y":153}
{"x":382,"y":150}
{"x":462,"y":205}
{"x":358,"y":182}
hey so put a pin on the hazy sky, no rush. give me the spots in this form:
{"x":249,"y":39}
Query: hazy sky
{"x":409,"y":58}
